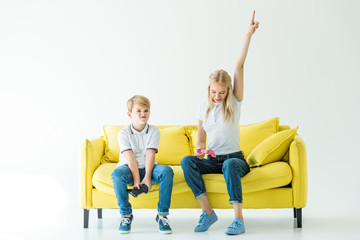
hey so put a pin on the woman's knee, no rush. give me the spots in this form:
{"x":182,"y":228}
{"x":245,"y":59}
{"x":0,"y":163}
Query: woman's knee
{"x":231,"y":163}
{"x":239,"y":165}
{"x":188,"y":160}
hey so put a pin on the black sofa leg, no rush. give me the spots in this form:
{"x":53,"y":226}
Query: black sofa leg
{"x":298,"y":217}
{"x":294,"y":212}
{"x":99,"y":213}
{"x":86,"y":218}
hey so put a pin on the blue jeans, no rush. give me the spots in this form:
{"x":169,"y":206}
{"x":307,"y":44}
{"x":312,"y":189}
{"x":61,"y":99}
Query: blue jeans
{"x":232,"y":165}
{"x":162,"y":174}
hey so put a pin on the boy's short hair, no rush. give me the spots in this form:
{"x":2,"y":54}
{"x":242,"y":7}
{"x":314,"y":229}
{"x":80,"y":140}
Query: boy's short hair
{"x":138,"y":100}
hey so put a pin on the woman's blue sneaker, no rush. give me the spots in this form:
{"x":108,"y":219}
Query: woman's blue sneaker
{"x":164,"y":226}
{"x":237,"y":227}
{"x":205,"y":221}
{"x":125,"y":224}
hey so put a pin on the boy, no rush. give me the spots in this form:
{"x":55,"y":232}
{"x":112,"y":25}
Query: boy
{"x":138,"y":143}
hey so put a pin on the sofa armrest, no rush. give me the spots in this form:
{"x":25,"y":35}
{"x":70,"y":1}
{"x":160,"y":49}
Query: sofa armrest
{"x":91,"y":154}
{"x":298,"y":164}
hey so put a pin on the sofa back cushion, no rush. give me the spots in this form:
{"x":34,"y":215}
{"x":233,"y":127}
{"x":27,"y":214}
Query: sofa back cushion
{"x":112,"y":149}
{"x":178,"y":141}
{"x":173,"y":146}
{"x":192,"y":132}
{"x":253,"y":134}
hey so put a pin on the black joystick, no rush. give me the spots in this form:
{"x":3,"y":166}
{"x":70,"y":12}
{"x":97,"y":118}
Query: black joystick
{"x":136,"y":191}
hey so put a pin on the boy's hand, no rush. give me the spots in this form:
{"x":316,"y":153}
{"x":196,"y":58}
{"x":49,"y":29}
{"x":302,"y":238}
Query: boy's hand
{"x":147,"y":182}
{"x":137,"y":185}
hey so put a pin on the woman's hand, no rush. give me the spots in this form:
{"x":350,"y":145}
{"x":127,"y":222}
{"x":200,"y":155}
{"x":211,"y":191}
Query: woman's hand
{"x":253,"y":25}
{"x":199,"y":156}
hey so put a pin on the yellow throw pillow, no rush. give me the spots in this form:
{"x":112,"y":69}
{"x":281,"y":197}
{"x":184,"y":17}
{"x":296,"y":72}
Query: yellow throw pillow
{"x":272,"y":149}
{"x":174,"y":146}
{"x":253,"y":134}
{"x":112,"y":149}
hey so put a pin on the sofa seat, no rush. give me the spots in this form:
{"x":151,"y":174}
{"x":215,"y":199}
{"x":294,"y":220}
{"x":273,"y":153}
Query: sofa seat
{"x":103,"y":182}
{"x":273,"y":175}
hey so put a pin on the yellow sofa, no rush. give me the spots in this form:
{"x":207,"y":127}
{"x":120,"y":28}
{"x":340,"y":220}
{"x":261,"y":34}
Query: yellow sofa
{"x":280,"y":183}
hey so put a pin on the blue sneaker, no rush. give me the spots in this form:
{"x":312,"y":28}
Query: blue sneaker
{"x":237,"y":227}
{"x":164,"y":226}
{"x":205,"y":221}
{"x":125,"y":224}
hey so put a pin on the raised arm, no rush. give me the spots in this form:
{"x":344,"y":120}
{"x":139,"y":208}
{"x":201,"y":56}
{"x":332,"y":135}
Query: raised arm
{"x":239,"y":70}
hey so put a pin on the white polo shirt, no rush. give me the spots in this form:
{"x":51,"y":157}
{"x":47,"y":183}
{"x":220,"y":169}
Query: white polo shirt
{"x":223,"y":138}
{"x":138,"y":142}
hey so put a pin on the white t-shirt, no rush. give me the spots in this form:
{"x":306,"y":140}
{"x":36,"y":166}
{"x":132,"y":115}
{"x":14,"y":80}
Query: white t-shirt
{"x":138,"y":142}
{"x":223,"y":137}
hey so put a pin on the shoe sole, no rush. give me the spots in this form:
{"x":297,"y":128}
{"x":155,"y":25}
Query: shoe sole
{"x":234,"y":233}
{"x":124,"y":232}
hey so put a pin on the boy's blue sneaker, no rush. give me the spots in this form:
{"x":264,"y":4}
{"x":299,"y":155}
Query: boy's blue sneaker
{"x":164,"y":226}
{"x":237,"y":227}
{"x":205,"y":221}
{"x":125,"y":224}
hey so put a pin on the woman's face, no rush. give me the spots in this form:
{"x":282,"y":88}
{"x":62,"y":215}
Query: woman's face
{"x":218,"y":92}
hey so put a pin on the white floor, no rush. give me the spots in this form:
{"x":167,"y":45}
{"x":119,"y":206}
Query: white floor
{"x":260,"y":224}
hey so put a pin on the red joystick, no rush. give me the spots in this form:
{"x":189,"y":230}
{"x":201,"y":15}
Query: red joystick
{"x":208,"y":152}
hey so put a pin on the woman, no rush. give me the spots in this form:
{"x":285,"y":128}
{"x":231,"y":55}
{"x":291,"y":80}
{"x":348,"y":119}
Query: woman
{"x":219,"y":123}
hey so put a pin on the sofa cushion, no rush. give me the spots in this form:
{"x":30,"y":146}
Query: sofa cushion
{"x":250,"y":135}
{"x":272,"y":149}
{"x":192,"y":132}
{"x":101,"y":179}
{"x":174,"y":144}
{"x":253,"y":134}
{"x":269,"y":176}
{"x":103,"y":182}
{"x":112,"y":149}
{"x":273,"y":175}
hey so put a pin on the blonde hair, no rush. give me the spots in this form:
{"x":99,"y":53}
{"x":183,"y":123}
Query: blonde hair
{"x":228,"y":110}
{"x":138,"y":100}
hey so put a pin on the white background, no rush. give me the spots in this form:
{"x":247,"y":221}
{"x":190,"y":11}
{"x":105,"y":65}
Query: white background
{"x":68,"y":67}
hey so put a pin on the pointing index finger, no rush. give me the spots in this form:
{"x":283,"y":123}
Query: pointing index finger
{"x":253,"y":17}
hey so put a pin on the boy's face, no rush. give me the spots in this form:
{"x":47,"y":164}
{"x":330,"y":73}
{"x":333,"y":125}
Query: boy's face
{"x":139,"y":114}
